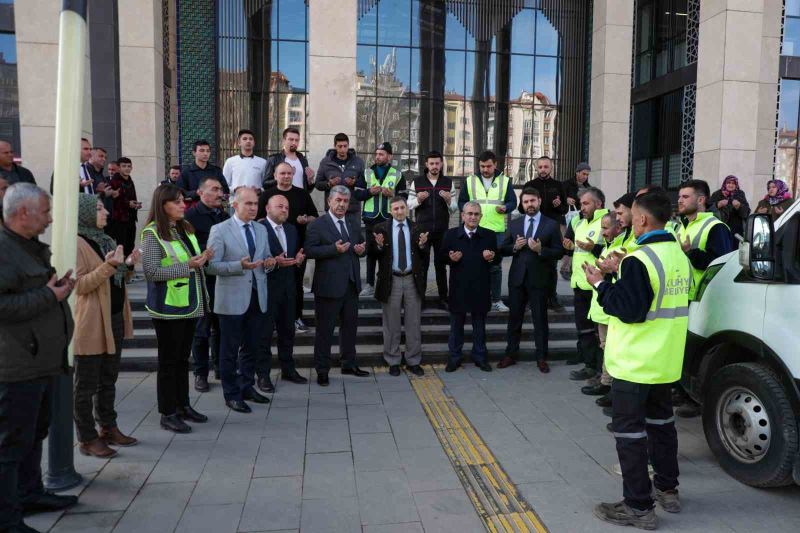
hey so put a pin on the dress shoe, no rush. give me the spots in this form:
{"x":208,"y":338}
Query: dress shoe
{"x":253,"y":396}
{"x":607,"y":411}
{"x":416,"y":370}
{"x":573,"y":361}
{"x":486,"y":367}
{"x":689,"y":409}
{"x":452,"y":367}
{"x":294,"y":378}
{"x":582,"y":374}
{"x":114,"y":437}
{"x":555,"y":305}
{"x":355,"y":371}
{"x":443,"y":305}
{"x":188,"y":413}
{"x":201,"y":383}
{"x":238,"y":405}
{"x":506,"y":362}
{"x":543,"y":367}
{"x":174,"y":423}
{"x":96,"y":448}
{"x":21,"y":527}
{"x":604,"y":400}
{"x":45,"y":502}
{"x":265,"y":385}
{"x":595,"y":390}
{"x":322,"y":380}
{"x":394,"y":370}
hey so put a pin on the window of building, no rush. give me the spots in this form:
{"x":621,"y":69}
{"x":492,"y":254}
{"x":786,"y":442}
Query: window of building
{"x":9,"y":96}
{"x":262,"y":50}
{"x":462,"y":72}
{"x":656,"y":141}
{"x":786,"y":146}
{"x":661,"y":38}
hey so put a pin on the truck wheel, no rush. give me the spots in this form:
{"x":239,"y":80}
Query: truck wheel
{"x":750,"y":426}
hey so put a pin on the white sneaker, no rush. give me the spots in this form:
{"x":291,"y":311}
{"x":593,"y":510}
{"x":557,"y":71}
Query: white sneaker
{"x":306,"y":290}
{"x":369,"y":290}
{"x":300,"y":326}
{"x":499,"y":307}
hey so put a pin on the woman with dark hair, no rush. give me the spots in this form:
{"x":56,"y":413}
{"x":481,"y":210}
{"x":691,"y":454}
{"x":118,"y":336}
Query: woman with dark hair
{"x":729,"y":204}
{"x":777,"y":200}
{"x":176,"y":298}
{"x":102,"y":320}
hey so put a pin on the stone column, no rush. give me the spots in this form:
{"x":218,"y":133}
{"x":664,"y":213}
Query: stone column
{"x":37,"y":28}
{"x":141,"y":86}
{"x":737,"y":75}
{"x":609,"y":117}
{"x":332,"y":76}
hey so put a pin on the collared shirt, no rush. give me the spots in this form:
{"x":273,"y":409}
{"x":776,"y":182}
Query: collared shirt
{"x":468,"y":231}
{"x":281,"y":234}
{"x":298,"y":178}
{"x":396,"y":248}
{"x":244,"y":230}
{"x":336,"y":223}
{"x":85,"y":175}
{"x":241,"y":170}
{"x":535,"y":219}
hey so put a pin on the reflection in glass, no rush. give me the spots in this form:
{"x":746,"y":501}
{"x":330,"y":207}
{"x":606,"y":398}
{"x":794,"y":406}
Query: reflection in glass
{"x":395,"y":22}
{"x":521,"y":74}
{"x":455,"y":35}
{"x":292,"y":64}
{"x":392,"y":70}
{"x":522,"y":29}
{"x":367,"y":27}
{"x":546,"y":36}
{"x":454,"y":63}
{"x":291,"y":19}
{"x":547,"y":78}
{"x":791,"y":37}
{"x":9,"y":95}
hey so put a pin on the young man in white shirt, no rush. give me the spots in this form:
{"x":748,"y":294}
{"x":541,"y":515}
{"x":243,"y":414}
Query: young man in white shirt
{"x":245,"y":169}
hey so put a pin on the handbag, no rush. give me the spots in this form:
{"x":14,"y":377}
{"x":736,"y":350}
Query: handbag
{"x":572,"y":212}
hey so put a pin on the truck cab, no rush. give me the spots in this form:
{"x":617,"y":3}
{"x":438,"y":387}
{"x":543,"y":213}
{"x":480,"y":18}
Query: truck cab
{"x":742,"y":361}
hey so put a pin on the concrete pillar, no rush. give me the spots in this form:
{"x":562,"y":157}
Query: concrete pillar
{"x":737,"y":75}
{"x":609,"y":118}
{"x":141,"y":66}
{"x":332,"y":76}
{"x":37,"y":27}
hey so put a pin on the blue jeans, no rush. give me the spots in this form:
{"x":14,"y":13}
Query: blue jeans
{"x":456,"y":341}
{"x":239,"y":340}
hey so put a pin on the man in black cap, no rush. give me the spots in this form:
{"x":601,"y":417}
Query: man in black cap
{"x":382,"y":181}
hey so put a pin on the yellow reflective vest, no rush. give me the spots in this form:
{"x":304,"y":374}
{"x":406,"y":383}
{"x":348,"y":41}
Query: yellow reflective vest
{"x":697,"y":231}
{"x":375,"y":206}
{"x":585,"y":230}
{"x":596,"y":313}
{"x":489,"y":200}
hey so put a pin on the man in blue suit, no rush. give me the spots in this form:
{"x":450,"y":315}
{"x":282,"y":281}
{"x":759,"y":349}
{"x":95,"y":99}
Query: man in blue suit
{"x":283,"y":241}
{"x":534,"y":241}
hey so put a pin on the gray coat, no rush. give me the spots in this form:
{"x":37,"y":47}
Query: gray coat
{"x":234,"y":284}
{"x":331,"y":167}
{"x":35,"y":328}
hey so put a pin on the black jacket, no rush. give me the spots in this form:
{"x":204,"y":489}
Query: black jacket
{"x":191,"y":175}
{"x":734,"y":218}
{"x":276,"y":159}
{"x":22,"y":175}
{"x":470,"y":276}
{"x":433,"y":214}
{"x":549,"y":189}
{"x":719,"y":243}
{"x":385,"y":255}
{"x":353,"y":167}
{"x":202,"y":218}
{"x":280,"y":282}
{"x":571,"y":188}
{"x":332,"y":269}
{"x":531,"y":269}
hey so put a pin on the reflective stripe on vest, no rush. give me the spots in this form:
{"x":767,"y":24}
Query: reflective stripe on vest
{"x":490,"y":219}
{"x":175,"y":298}
{"x":697,"y":232}
{"x":596,"y":312}
{"x":372,"y":208}
{"x":652,"y":351}
{"x":585,"y":230}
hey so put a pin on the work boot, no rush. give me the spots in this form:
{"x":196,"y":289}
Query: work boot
{"x":201,"y":383}
{"x":96,"y":448}
{"x":689,"y":409}
{"x":595,"y":390}
{"x":668,"y":499}
{"x":367,"y":291}
{"x":622,"y":515}
{"x":604,"y":400}
{"x":582,"y":374}
{"x":114,"y":437}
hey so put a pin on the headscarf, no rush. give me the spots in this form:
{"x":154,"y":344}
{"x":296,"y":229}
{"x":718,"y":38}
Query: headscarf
{"x":87,"y":228}
{"x":781,"y":195}
{"x":725,"y":191}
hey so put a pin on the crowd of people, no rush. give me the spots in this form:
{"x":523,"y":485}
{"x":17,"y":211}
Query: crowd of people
{"x":224,"y":253}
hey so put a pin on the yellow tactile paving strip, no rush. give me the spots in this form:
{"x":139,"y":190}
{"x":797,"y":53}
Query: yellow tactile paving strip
{"x":495,"y":498}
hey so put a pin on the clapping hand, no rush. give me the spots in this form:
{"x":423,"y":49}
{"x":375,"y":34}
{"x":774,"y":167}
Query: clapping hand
{"x":556,"y":201}
{"x":115,"y":257}
{"x":387,"y":192}
{"x":586,"y":245}
{"x":568,"y":244}
{"x":375,"y":191}
{"x":519,"y":243}
{"x":334,"y":181}
{"x":136,"y":256}
{"x":284,"y":261}
{"x":722,"y":203}
{"x":736,"y":204}
{"x":455,"y":257}
{"x":378,"y":239}
{"x":488,"y":255}
{"x":535,"y":245}
{"x":360,"y":248}
{"x":342,"y":247}
{"x":686,"y":245}
{"x":423,"y":239}
{"x":246,"y":263}
{"x":300,"y":256}
{"x":593,"y":275}
{"x":198,"y":261}
{"x":777,"y":210}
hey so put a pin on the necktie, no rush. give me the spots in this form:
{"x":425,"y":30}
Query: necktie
{"x":251,"y":244}
{"x":529,"y":232}
{"x":471,"y":234}
{"x":402,"y":260}
{"x":281,"y":237}
{"x":345,"y":235}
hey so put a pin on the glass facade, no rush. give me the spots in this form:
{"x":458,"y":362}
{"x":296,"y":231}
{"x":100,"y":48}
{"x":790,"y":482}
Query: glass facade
{"x":660,"y":38}
{"x":9,"y":97}
{"x":463,"y":76}
{"x":262,"y":55}
{"x":789,"y":100}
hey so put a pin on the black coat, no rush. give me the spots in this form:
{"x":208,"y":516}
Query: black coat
{"x":276,"y":159}
{"x":192,"y":175}
{"x":470,"y":276}
{"x":202,"y":218}
{"x":280,"y":282}
{"x":528,"y":268}
{"x":332,"y":269}
{"x":419,"y":260}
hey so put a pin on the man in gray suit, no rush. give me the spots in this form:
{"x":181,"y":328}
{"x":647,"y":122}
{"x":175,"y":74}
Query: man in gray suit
{"x":336,"y":245}
{"x":241,"y":261}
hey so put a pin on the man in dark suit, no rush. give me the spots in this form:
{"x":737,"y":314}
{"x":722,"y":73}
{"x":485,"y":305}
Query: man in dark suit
{"x":470,"y":251}
{"x":401,"y":251}
{"x":335,"y":245}
{"x":204,"y":214}
{"x":283,"y":243}
{"x":534,"y":241}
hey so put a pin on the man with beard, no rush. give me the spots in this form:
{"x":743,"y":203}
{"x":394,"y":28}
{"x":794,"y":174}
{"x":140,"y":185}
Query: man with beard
{"x":303,"y":175}
{"x":341,"y":166}
{"x":193,"y":173}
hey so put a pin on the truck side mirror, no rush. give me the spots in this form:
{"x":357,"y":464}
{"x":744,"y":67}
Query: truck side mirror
{"x":757,"y":251}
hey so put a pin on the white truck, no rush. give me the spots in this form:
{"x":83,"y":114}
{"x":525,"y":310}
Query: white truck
{"x":742,"y":358}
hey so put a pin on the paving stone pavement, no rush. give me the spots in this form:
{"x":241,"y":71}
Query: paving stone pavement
{"x":360,"y":456}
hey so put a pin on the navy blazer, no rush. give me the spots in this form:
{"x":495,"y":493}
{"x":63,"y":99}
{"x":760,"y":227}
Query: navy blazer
{"x":470,"y":276}
{"x":331,"y":269}
{"x":281,"y":278}
{"x":531,"y":269}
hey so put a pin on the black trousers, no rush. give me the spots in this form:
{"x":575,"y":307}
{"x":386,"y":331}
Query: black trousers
{"x":435,"y":240}
{"x":240,"y":337}
{"x":96,"y":386}
{"x":174,"y":345}
{"x":205,"y":345}
{"x":518,"y":299}
{"x":298,"y":290}
{"x":372,"y":261}
{"x":644,"y":427}
{"x":24,"y":420}
{"x":327,"y":311}
{"x":280,"y":317}
{"x":588,"y":341}
{"x":124,"y":233}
